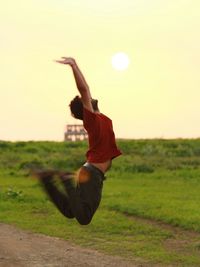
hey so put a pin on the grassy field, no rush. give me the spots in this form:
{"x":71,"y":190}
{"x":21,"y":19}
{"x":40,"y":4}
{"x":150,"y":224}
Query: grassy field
{"x":150,"y":208}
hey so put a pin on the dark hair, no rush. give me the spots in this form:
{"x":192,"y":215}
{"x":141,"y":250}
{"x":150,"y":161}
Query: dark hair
{"x":76,"y":107}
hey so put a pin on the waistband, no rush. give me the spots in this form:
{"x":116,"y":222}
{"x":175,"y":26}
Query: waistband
{"x":92,"y":168}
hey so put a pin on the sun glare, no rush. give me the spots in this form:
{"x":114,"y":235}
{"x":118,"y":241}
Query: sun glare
{"x":120,"y":61}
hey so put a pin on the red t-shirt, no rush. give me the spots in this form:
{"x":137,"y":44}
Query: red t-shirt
{"x":102,"y":146}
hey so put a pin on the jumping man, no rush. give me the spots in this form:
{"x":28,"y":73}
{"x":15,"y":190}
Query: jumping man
{"x":83,"y":193}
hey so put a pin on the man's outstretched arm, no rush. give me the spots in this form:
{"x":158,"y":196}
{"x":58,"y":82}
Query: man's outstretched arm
{"x":81,"y":83}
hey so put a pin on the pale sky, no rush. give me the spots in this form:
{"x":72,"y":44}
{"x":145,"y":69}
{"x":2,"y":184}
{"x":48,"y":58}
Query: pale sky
{"x":156,"y":97}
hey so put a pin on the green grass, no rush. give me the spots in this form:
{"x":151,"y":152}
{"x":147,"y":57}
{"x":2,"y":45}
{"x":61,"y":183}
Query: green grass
{"x":172,"y":197}
{"x":154,"y":179}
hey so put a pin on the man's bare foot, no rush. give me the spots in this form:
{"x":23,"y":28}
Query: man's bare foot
{"x":66,"y":175}
{"x":42,"y":174}
{"x":45,"y":174}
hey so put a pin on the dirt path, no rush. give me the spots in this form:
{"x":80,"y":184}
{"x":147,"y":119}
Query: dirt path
{"x":24,"y":249}
{"x":20,"y":248}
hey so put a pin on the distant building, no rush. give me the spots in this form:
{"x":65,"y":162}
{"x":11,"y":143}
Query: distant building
{"x":75,"y":132}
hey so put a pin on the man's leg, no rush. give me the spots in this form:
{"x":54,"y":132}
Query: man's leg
{"x":84,"y":198}
{"x":60,"y":200}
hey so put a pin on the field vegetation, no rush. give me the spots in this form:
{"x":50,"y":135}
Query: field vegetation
{"x":150,"y":208}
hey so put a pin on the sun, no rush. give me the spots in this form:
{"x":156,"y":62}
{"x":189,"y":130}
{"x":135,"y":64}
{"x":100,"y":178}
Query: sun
{"x":120,"y":61}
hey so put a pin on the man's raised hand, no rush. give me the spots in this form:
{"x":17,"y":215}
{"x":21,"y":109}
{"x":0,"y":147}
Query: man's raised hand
{"x":66,"y":60}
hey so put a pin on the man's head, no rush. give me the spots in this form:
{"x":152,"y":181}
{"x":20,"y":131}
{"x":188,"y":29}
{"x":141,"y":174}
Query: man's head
{"x":76,"y":107}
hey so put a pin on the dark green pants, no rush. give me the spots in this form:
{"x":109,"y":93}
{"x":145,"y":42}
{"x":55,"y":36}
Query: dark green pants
{"x":81,"y":200}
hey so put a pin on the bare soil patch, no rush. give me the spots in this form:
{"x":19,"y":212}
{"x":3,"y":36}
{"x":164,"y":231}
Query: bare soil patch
{"x":19,"y":248}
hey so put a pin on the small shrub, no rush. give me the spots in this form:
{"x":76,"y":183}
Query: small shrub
{"x":4,"y":144}
{"x":31,"y":150}
{"x":141,"y":168}
{"x":32,"y":164}
{"x":13,"y":194}
{"x":20,"y":144}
